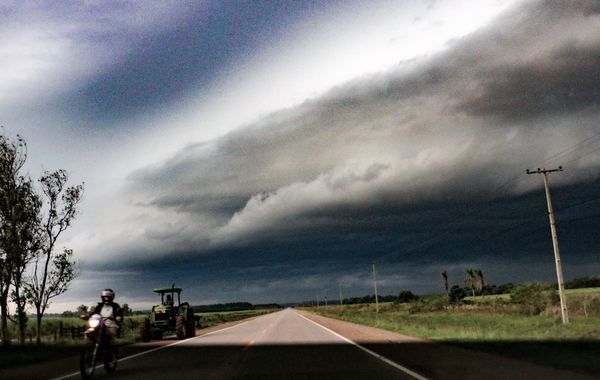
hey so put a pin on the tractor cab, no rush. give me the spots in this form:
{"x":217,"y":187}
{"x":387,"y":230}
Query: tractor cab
{"x":167,"y":296}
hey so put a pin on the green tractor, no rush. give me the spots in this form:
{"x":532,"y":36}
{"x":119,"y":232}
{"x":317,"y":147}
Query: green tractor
{"x":169,"y":316}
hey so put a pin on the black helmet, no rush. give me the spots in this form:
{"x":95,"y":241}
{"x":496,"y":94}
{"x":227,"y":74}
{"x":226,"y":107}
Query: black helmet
{"x":107,"y":295}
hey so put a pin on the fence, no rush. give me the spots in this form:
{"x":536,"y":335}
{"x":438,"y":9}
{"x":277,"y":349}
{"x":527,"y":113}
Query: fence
{"x":64,"y":332}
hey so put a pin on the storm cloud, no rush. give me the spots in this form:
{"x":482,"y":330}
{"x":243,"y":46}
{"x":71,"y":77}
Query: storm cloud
{"x":447,"y":128}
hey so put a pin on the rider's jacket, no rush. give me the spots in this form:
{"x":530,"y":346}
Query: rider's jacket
{"x":109,"y":310}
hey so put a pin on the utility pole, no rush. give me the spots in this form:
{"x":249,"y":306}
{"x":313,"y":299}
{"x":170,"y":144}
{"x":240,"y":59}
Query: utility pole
{"x":559,"y":275}
{"x":317,"y":300}
{"x":375,"y":286}
{"x":325,"y":300}
{"x":341,"y":299}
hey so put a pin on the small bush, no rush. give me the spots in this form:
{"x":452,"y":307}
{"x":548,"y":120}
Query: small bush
{"x":588,"y":305}
{"x":457,"y":294}
{"x":535,"y":297}
{"x":433,"y":303}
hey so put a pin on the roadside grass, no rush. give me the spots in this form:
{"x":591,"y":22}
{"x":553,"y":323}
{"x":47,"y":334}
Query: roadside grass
{"x":540,"y":339}
{"x":210,"y":319}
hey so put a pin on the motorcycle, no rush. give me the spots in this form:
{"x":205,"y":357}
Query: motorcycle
{"x":98,"y":348}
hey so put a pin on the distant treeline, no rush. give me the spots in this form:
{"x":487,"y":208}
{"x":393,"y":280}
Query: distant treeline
{"x":455,"y":293}
{"x":233,"y":306}
{"x":583,"y":282}
{"x":358,"y":300}
{"x":369,"y":299}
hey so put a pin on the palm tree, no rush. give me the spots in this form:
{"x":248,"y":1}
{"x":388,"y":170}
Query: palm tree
{"x":471,"y":279}
{"x":445,"y":281}
{"x":480,"y":281}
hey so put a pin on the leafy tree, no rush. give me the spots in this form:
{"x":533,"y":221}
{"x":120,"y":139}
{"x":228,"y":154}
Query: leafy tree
{"x":82,"y":310}
{"x":19,"y":210}
{"x":457,"y":294}
{"x":406,"y":296}
{"x":53,"y":272}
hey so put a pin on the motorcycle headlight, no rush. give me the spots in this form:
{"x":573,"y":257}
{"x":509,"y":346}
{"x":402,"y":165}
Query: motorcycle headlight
{"x":94,"y":320}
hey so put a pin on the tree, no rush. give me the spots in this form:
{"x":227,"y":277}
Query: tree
{"x":126,"y":310}
{"x":24,"y":241}
{"x":479,"y":280}
{"x":445,"y":283}
{"x":406,"y":296}
{"x":457,"y":294}
{"x":470,"y":280}
{"x":5,"y":270}
{"x":19,"y":211}
{"x":53,"y":272}
{"x":82,"y":310}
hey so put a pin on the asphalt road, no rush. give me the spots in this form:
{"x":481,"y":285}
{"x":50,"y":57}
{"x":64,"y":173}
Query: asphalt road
{"x":281,"y":345}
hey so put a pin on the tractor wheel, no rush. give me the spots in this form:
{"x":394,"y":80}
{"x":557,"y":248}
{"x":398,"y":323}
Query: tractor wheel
{"x":180,"y":327}
{"x":145,"y":330}
{"x":190,"y":330}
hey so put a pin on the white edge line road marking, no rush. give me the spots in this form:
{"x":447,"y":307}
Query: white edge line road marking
{"x":155,"y":349}
{"x":372,"y":353}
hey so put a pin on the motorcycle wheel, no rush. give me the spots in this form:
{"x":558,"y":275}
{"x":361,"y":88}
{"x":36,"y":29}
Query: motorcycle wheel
{"x":87,"y":361}
{"x":110,"y":363}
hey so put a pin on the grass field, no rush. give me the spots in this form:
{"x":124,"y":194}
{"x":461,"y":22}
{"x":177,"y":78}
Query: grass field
{"x":583,"y":291}
{"x":540,"y":339}
{"x":575,"y":293}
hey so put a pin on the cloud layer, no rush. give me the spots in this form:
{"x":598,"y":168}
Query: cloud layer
{"x":452,"y":127}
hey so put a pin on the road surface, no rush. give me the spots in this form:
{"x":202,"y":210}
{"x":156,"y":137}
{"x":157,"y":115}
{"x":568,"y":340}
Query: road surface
{"x":281,"y":345}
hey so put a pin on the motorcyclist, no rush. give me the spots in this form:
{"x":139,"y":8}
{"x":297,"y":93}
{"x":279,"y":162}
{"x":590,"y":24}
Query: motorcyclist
{"x":112,"y":312}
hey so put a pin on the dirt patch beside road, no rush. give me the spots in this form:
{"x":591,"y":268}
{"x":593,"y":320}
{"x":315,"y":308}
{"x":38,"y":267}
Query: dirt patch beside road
{"x":437,"y":360}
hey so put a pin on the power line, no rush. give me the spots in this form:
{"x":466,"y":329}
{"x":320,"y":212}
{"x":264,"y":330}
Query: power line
{"x":588,"y":141}
{"x":583,"y":144}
